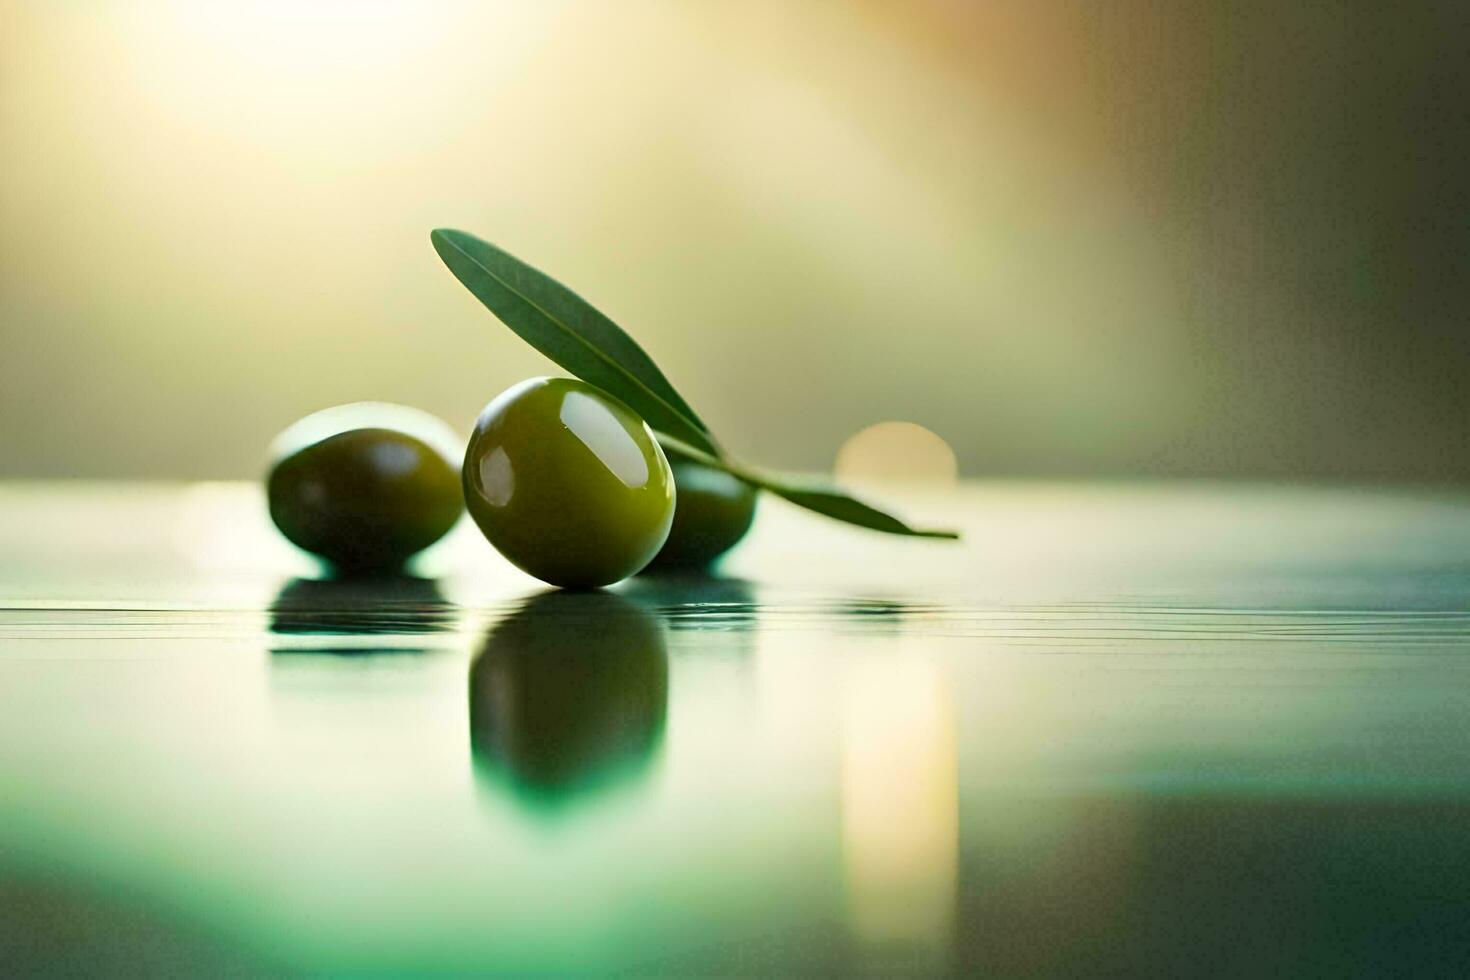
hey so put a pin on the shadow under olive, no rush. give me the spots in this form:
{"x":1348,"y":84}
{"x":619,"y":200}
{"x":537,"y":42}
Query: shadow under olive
{"x":364,"y":497}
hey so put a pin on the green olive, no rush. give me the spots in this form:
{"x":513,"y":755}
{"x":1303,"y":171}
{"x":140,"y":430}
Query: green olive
{"x":713,"y":512}
{"x":568,"y":694}
{"x":568,"y":484}
{"x":365,"y":486}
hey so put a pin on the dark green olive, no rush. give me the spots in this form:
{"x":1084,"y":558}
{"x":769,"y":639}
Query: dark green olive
{"x":365,"y":486}
{"x":568,"y":484}
{"x":712,"y":513}
{"x":568,"y":693}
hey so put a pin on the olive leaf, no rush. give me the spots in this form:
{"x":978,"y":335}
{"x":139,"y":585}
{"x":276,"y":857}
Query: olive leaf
{"x":570,"y":331}
{"x":832,"y":502}
{"x":575,"y":335}
{"x":813,"y":495}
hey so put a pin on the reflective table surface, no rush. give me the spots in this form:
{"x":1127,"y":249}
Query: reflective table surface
{"x":1119,"y":730}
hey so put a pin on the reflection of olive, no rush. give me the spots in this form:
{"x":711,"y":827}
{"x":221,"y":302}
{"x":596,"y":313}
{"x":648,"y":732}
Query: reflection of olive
{"x":365,"y":486}
{"x":356,"y":606}
{"x":569,"y":692}
{"x":695,"y":600}
{"x":712,"y":512}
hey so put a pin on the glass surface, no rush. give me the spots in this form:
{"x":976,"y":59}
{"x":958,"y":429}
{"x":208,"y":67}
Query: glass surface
{"x":1120,"y":729}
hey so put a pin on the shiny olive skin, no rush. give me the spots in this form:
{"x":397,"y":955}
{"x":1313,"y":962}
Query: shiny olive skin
{"x":568,"y":484}
{"x":365,"y":486}
{"x":712,"y":513}
{"x":568,"y":694}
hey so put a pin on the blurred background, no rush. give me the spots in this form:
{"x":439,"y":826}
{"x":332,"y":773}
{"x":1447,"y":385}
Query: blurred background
{"x":1142,"y":237}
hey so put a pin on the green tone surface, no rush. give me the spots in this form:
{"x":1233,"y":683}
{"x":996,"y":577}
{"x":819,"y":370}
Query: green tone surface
{"x":567,"y":483}
{"x":365,"y":486}
{"x":1120,"y":730}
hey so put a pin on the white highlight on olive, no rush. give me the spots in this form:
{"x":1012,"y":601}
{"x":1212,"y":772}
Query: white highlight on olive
{"x":600,"y":431}
{"x":497,"y":478}
{"x":333,"y":421}
{"x":394,"y":458}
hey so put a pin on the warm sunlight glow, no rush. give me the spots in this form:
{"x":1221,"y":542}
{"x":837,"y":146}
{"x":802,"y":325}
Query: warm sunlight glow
{"x":900,"y":802}
{"x":310,"y":42}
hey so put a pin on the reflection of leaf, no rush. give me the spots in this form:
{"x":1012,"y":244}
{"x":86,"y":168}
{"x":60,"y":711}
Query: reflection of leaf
{"x":570,"y":331}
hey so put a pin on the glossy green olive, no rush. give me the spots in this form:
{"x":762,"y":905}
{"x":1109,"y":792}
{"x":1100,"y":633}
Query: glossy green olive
{"x":712,"y":514}
{"x":568,"y":694}
{"x":365,"y":486}
{"x":568,"y":484}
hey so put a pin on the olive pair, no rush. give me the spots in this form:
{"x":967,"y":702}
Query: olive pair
{"x":566,"y":482}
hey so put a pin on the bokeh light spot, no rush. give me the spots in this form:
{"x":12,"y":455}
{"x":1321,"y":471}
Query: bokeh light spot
{"x":896,"y":452}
